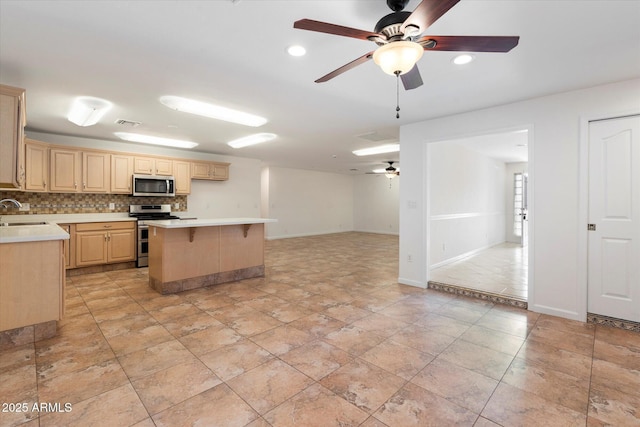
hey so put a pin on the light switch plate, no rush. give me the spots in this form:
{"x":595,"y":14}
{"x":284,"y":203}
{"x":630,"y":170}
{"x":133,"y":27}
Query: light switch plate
{"x":25,"y":207}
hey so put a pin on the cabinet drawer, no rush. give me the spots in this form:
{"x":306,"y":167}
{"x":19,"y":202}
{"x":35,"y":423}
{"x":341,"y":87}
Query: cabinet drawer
{"x":99,"y":226}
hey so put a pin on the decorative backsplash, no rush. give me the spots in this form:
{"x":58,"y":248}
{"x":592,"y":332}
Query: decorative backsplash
{"x":82,"y":203}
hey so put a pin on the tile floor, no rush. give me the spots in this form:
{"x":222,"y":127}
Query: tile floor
{"x":327,"y":338}
{"x":500,"y":269}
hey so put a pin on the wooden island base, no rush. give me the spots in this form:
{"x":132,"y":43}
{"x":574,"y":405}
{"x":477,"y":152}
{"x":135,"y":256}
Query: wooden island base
{"x":184,"y":258}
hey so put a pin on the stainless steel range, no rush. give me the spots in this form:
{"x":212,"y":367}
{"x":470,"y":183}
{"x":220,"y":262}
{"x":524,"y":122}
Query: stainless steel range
{"x":147,"y":213}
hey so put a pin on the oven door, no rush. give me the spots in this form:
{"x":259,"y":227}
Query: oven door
{"x":143,"y":245}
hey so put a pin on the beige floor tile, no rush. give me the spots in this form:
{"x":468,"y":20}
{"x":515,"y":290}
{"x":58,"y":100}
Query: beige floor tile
{"x":614,"y":376}
{"x":380,"y":324}
{"x":458,"y":385}
{"x":216,"y":406}
{"x":316,"y":407}
{"x":318,"y":324}
{"x":235,"y":359}
{"x":282,"y":339}
{"x":363,"y":384}
{"x":268,"y":385}
{"x":422,"y":339}
{"x":443,"y":325}
{"x":317,"y":359}
{"x":157,"y":357}
{"x":618,"y":346}
{"x":175,"y":384}
{"x":210,"y":339}
{"x":547,"y":356}
{"x":494,"y":340}
{"x":512,"y":406}
{"x":138,"y":339}
{"x":415,"y":406}
{"x":482,"y":360}
{"x":398,"y":359}
{"x":614,"y":407}
{"x":190,"y":324}
{"x":566,"y":340}
{"x":353,"y":340}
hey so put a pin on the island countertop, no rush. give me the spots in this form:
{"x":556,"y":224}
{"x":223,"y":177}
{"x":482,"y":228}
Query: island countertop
{"x":212,"y":222}
{"x":32,"y":233}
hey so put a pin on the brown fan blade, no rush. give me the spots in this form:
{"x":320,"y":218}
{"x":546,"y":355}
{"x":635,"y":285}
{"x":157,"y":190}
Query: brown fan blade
{"x":346,"y":67}
{"x":338,"y":30}
{"x":427,"y":12}
{"x":412,"y":79}
{"x":470,"y":43}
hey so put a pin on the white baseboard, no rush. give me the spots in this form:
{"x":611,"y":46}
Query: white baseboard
{"x":410,"y":282}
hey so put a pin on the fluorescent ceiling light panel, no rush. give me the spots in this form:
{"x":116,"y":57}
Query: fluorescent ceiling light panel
{"x":212,"y":111}
{"x":465,"y":58}
{"x":147,"y":139}
{"x":87,"y":111}
{"x":251,"y":140}
{"x":381,"y":149}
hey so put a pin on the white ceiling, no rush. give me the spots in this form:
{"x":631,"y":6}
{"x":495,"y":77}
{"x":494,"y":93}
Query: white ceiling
{"x":233,"y":54}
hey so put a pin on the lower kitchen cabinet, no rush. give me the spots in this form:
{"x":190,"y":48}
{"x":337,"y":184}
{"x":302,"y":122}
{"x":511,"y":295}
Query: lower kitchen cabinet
{"x":105,"y":243}
{"x":68,"y":248}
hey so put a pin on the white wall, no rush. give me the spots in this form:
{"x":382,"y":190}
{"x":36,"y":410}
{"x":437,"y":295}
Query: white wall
{"x":375,"y":204}
{"x":467,"y":202}
{"x":307,"y":203}
{"x":556,"y":261}
{"x":512,"y":168}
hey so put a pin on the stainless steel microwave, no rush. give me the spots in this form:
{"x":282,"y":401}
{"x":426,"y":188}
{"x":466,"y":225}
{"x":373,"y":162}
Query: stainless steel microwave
{"x":150,"y":185}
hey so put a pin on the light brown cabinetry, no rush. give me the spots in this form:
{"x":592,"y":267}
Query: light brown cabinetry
{"x":65,"y":170}
{"x":153,"y":166}
{"x":182,"y":175}
{"x":74,"y":171}
{"x":104,"y":243}
{"x":37,"y":166}
{"x":121,"y":173}
{"x":12,"y":123}
{"x":69,"y":245}
{"x":210,"y":170}
{"x":32,"y":277}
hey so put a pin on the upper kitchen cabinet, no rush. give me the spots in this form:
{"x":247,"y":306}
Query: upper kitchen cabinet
{"x":37,"y":166}
{"x":152,"y":166}
{"x":182,"y":175}
{"x":210,"y":170}
{"x":73,"y":171}
{"x":13,"y":119}
{"x":121,"y":173}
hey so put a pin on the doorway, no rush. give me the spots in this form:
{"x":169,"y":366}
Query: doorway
{"x":479,"y":213}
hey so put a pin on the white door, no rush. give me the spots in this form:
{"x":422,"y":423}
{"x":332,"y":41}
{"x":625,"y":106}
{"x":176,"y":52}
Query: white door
{"x":614,"y":212}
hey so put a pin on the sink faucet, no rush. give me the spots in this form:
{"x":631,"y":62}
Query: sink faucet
{"x":14,"y":201}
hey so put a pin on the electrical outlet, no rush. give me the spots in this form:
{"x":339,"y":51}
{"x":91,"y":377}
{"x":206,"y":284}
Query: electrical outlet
{"x":25,"y":207}
{"x":176,"y":205}
{"x":112,"y":206}
{"x":409,"y":258}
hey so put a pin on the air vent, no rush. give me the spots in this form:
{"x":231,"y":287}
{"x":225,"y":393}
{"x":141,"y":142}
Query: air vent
{"x":373,"y":137}
{"x":129,"y":123}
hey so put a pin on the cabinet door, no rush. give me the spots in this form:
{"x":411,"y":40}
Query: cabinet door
{"x":37,"y":166}
{"x":91,"y":248}
{"x":200,"y":170}
{"x":12,"y":123}
{"x":121,"y":245}
{"x":121,"y":173}
{"x":164,"y":167}
{"x":182,"y":174}
{"x":143,"y":165}
{"x":68,"y":246}
{"x":221,"y":172}
{"x":65,"y":170}
{"x":96,"y":172}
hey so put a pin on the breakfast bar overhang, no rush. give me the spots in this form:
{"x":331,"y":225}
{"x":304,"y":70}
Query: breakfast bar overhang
{"x":191,"y":254}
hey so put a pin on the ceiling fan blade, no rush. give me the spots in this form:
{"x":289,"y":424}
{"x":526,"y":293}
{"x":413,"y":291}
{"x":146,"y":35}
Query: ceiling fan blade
{"x":364,"y":58}
{"x":412,"y":79}
{"x":427,"y":12}
{"x":338,"y":30}
{"x":471,"y":43}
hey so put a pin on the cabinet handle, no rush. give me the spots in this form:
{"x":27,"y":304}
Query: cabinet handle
{"x":84,"y":185}
{"x":75,"y":185}
{"x":105,"y":237}
{"x":107,"y":226}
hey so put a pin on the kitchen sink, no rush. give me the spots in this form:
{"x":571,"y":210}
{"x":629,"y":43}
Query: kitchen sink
{"x":22,"y":224}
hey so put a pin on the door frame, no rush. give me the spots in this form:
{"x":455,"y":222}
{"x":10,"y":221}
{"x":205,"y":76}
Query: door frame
{"x":426,"y":241}
{"x":583,"y":204}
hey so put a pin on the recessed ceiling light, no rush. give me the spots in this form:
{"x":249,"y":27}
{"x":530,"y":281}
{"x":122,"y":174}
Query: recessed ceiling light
{"x":147,"y":139}
{"x":296,"y":50}
{"x":387,"y":148}
{"x":256,"y":138}
{"x":465,"y":58}
{"x":87,"y":110}
{"x":212,"y":111}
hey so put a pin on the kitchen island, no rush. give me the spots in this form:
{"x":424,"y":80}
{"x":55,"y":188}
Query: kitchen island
{"x":191,"y":254}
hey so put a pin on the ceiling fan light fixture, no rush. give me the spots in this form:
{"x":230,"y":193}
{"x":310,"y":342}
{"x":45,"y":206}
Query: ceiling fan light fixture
{"x":155,"y":140}
{"x":398,"y":57}
{"x":380,"y":149}
{"x":87,"y":110}
{"x":256,"y":138}
{"x":212,"y":111}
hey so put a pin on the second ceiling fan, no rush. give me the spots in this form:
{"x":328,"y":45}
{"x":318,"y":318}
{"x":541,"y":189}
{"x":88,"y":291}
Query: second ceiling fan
{"x":400,"y":40}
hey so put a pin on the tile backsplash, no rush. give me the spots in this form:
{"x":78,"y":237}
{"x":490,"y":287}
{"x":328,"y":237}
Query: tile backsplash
{"x":82,"y":203}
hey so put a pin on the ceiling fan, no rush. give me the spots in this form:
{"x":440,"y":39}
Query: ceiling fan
{"x":400,"y":40}
{"x":389,"y":171}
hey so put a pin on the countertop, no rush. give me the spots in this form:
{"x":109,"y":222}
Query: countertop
{"x":32,"y":233}
{"x":211,"y":222}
